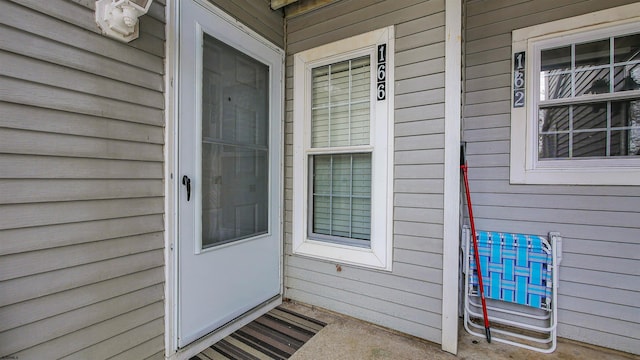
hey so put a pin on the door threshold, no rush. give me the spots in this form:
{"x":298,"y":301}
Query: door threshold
{"x":204,"y":342}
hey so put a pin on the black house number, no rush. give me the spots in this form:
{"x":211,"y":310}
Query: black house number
{"x":381,"y":72}
{"x":518,"y":79}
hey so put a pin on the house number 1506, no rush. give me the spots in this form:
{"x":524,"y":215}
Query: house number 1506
{"x":381,"y":73}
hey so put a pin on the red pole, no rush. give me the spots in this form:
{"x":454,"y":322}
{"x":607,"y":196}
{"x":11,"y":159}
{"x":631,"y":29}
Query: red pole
{"x":487,"y":329}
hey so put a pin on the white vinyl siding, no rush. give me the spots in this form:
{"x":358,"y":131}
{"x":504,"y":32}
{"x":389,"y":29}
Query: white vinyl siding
{"x":598,"y":290}
{"x":409,"y":297}
{"x":81,"y":204}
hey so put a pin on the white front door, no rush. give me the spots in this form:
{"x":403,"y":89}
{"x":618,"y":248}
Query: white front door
{"x":229,"y":231}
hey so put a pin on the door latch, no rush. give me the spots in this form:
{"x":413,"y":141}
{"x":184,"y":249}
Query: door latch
{"x":187,"y":182}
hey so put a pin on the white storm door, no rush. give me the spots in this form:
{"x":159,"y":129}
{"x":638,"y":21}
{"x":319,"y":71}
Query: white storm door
{"x":229,"y":234}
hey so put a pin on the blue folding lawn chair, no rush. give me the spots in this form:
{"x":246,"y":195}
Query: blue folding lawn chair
{"x":520,"y":274}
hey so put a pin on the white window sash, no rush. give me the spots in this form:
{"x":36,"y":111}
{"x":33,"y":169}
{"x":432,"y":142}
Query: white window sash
{"x":381,"y":147}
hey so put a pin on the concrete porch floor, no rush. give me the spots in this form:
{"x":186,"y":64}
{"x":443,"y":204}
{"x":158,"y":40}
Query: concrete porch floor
{"x":348,"y":338}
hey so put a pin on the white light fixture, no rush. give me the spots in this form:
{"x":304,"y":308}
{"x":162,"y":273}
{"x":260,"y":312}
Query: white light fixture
{"x":119,"y":18}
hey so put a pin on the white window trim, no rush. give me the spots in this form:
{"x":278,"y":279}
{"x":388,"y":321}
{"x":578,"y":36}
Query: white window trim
{"x":379,"y":256}
{"x":524,"y":167}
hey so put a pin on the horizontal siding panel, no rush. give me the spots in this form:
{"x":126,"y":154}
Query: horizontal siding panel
{"x":55,"y":30}
{"x":519,"y":15}
{"x":412,"y":228}
{"x":487,"y":147}
{"x":393,"y":280}
{"x":23,"y":289}
{"x":44,"y":237}
{"x":32,"y":70}
{"x":34,"y":262}
{"x":603,"y":279}
{"x":487,"y":83}
{"x":417,"y":214}
{"x":486,"y":122}
{"x":53,"y":190}
{"x":409,"y":157}
{"x":418,"y":69}
{"x":419,"y":185}
{"x":491,"y":160}
{"x":122,"y":342}
{"x":487,"y":69}
{"x":392,"y":297}
{"x":488,"y":95}
{"x":603,"y":295}
{"x":419,"y":200}
{"x":44,"y":167}
{"x":430,"y":171}
{"x":419,"y":128}
{"x":562,"y":216}
{"x":419,"y":142}
{"x":491,"y":134}
{"x":17,"y":116}
{"x":94,"y":334}
{"x":604,"y":264}
{"x":434,"y":81}
{"x":44,"y":307}
{"x":573,"y":202}
{"x":603,"y":248}
{"x":598,"y":338}
{"x":419,"y":98}
{"x":488,"y":43}
{"x":399,"y":311}
{"x":374,"y":16}
{"x":420,"y":24}
{"x":418,"y":243}
{"x":603,"y":324}
{"x":427,"y":37}
{"x":409,"y":327}
{"x":142,"y":351}
{"x":424,"y":112}
{"x":489,"y":56}
{"x":418,"y":258}
{"x":417,"y":55}
{"x":76,"y":58}
{"x":491,"y":108}
{"x":38,"y":143}
{"x":16,"y":91}
{"x":35,"y":333}
{"x":29,"y":215}
{"x":612,"y":310}
{"x":503,"y":187}
{"x":579,"y":231}
{"x":477,"y":7}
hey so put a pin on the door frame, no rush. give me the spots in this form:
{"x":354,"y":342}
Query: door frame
{"x":172,"y":189}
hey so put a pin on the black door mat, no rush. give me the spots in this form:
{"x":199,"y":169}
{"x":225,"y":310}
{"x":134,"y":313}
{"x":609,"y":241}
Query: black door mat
{"x":276,"y":335}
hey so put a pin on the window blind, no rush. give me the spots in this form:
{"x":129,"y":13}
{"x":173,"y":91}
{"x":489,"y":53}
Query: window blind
{"x":341,"y":103}
{"x":342,"y":195}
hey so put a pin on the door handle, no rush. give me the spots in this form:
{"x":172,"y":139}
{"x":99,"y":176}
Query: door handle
{"x":187,"y":182}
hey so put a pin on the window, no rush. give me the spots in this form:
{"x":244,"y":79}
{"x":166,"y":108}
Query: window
{"x":343,"y":136}
{"x":580,"y":121}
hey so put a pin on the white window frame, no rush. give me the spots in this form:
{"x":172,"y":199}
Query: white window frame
{"x":379,"y":255}
{"x":525,"y":168}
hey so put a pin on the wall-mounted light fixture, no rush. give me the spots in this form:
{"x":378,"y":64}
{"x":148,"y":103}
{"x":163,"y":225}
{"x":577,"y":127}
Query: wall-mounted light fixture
{"x":119,"y":18}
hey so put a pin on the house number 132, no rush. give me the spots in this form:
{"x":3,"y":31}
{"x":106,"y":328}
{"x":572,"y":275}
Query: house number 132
{"x":381,"y":73}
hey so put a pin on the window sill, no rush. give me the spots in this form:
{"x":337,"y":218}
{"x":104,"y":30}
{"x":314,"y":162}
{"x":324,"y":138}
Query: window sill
{"x":345,"y":254}
{"x":576,"y":176}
